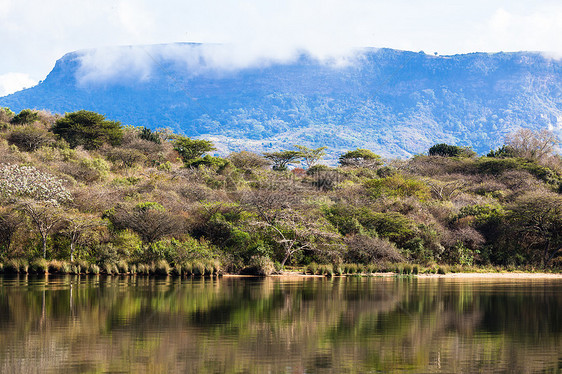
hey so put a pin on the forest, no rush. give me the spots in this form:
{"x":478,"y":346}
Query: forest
{"x":83,"y":194}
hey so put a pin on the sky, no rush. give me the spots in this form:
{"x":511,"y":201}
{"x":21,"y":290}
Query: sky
{"x":35,"y":33}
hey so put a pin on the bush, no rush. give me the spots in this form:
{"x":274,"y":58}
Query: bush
{"x":365,"y":249}
{"x":88,"y":129}
{"x":30,"y":138}
{"x":162,"y":268}
{"x":16,"y":265}
{"x":446,"y":150}
{"x":40,"y":266}
{"x":122,"y":267}
{"x":259,"y":265}
{"x":198,"y":268}
{"x":26,"y":116}
{"x":94,"y":269}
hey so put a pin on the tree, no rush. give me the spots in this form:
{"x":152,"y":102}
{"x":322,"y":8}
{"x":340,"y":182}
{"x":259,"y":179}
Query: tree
{"x":536,"y":217}
{"x":77,"y":225}
{"x":9,"y":223}
{"x":191,"y":149}
{"x":147,"y":134}
{"x":360,"y":158}
{"x":282,"y":159}
{"x":311,"y":156}
{"x":446,"y":150}
{"x":88,"y":129}
{"x":533,"y":145}
{"x":20,"y":182}
{"x":248,"y":160}
{"x":293,"y":230}
{"x":149,"y":220}
{"x":30,"y":138}
{"x":45,"y":216}
{"x":25,"y":117}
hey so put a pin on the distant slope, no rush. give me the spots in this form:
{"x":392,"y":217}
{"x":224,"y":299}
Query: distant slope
{"x":394,"y":102}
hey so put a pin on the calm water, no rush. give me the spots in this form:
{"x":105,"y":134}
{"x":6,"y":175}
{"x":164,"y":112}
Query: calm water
{"x":355,"y":325}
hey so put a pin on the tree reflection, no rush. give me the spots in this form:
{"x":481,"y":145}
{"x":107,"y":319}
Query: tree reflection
{"x":226,"y":325}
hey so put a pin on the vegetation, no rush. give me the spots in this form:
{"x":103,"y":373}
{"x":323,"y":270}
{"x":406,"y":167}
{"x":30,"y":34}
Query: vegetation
{"x":129,"y":199}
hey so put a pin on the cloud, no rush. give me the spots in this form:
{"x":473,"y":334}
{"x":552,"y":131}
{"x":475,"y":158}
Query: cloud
{"x":12,"y":82}
{"x":137,"y":63}
{"x":522,"y":29}
{"x":38,"y":32}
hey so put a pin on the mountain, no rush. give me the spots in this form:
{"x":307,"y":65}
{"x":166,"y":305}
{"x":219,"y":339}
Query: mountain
{"x":396,"y":103}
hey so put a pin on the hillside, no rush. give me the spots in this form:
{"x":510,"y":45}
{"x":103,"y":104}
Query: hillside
{"x":396,"y":103}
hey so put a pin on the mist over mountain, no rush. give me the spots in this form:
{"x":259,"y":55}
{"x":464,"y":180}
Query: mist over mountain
{"x":396,"y":103}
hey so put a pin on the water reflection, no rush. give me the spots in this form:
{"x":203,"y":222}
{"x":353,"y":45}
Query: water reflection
{"x":305,"y":325}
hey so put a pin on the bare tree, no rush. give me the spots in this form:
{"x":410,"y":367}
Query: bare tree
{"x":534,"y":145}
{"x":45,"y":217}
{"x":537,"y":219}
{"x":77,"y":225}
{"x":150,"y":220}
{"x":294,"y":230}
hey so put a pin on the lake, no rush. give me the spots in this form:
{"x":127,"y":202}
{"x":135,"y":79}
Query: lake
{"x":97,"y":324}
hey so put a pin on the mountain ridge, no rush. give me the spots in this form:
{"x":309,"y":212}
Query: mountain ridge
{"x":396,"y":103}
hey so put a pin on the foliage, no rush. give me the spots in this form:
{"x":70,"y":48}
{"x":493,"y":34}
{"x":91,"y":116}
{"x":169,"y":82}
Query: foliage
{"x":360,"y":158}
{"x":30,"y":138}
{"x":191,"y":149}
{"x":311,"y":156}
{"x":18,"y":182}
{"x":88,"y":129}
{"x":282,"y":159}
{"x":147,"y":134}
{"x":446,"y":150}
{"x":25,"y":117}
{"x":129,"y":207}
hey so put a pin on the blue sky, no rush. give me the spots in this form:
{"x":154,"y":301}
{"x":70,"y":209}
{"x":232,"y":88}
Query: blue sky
{"x":34,"y":33}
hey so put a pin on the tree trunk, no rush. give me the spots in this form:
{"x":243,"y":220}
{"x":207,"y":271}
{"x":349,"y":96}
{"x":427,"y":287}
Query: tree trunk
{"x":287,"y":255}
{"x":71,"y":250}
{"x":44,"y":238}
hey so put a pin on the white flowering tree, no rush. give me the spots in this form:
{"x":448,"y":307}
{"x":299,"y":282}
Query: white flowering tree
{"x":26,"y":182}
{"x":35,"y":193}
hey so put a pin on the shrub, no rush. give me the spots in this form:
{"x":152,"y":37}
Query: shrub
{"x":24,"y":117}
{"x":398,"y":186}
{"x":360,"y":158}
{"x":39,"y":265}
{"x":446,"y":150}
{"x":122,"y":267}
{"x":312,"y":268}
{"x":365,"y":249}
{"x":94,"y":269}
{"x":88,"y":129}
{"x":327,"y":270}
{"x":198,"y":268}
{"x":162,"y":268}
{"x":16,"y":265}
{"x":187,"y":268}
{"x":259,"y":265}
{"x":30,"y":138}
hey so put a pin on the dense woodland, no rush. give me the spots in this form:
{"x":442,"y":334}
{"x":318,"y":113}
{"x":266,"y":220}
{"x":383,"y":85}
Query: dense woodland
{"x":80,"y":193}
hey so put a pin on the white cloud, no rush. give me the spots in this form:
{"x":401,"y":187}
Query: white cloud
{"x":37,"y":32}
{"x":12,"y":82}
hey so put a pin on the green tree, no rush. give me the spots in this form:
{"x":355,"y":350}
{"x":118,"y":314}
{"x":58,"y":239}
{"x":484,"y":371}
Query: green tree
{"x":360,"y":158}
{"x":282,"y":159}
{"x":190,"y":149}
{"x":311,"y":156}
{"x":88,"y":129}
{"x":446,"y":150}
{"x":25,"y":117}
